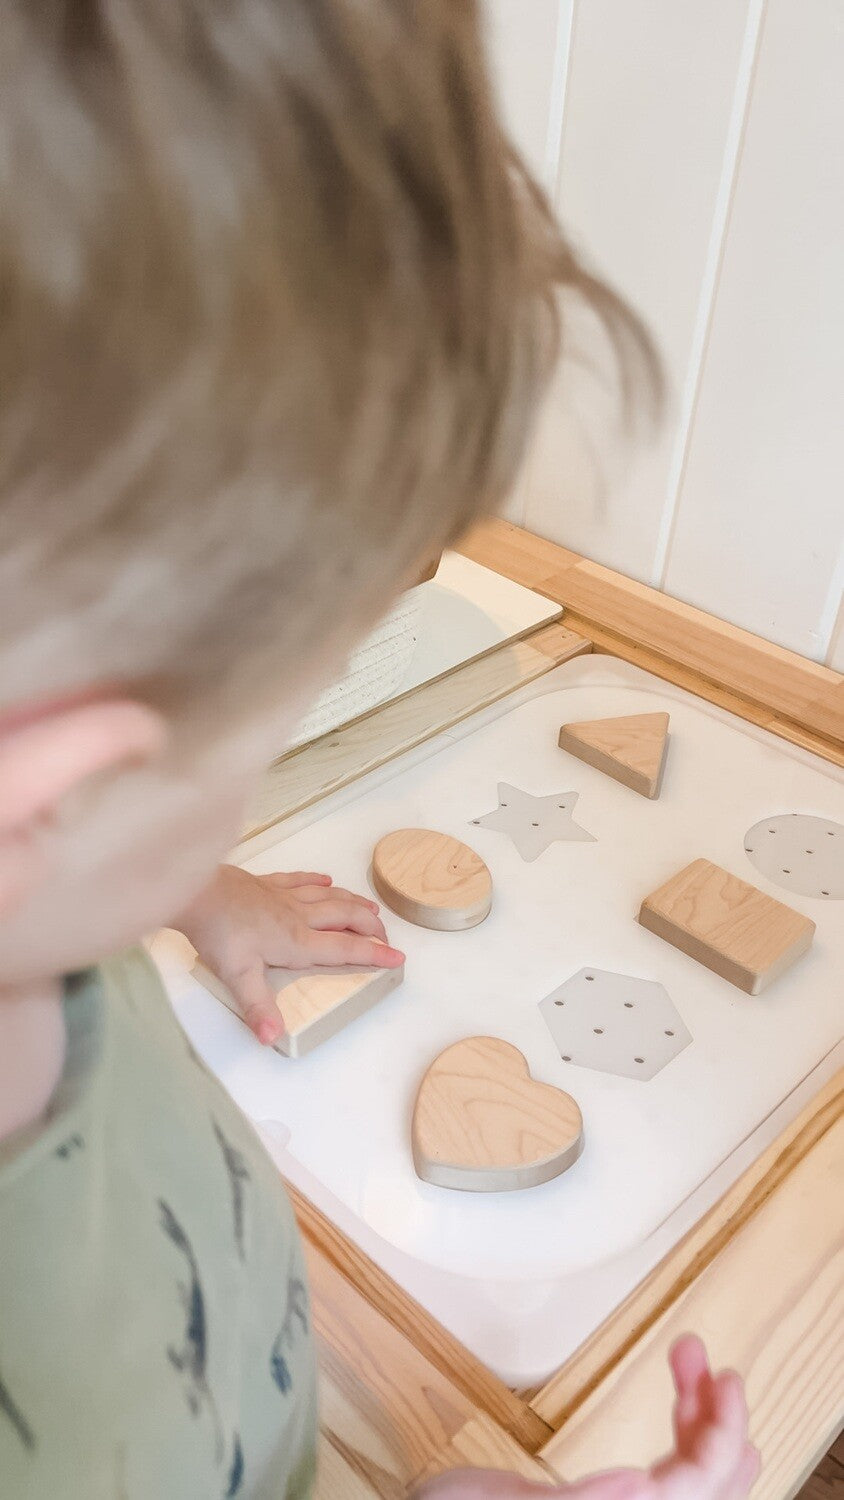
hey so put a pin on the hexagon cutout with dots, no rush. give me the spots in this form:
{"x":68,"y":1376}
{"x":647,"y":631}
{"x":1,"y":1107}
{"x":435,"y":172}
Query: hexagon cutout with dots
{"x":615,"y":1023}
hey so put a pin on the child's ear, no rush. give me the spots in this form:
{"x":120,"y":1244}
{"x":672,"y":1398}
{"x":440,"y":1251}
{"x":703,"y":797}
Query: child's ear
{"x":43,"y":759}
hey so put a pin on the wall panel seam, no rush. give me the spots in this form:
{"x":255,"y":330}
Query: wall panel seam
{"x":563,"y":48}
{"x":834,"y":612}
{"x":733,"y":150}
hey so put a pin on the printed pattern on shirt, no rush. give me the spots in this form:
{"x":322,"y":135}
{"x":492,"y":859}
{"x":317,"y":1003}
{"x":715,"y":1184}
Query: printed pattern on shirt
{"x":238,"y":1176}
{"x":192,"y":1359}
{"x":10,"y":1409}
{"x":297,"y":1312}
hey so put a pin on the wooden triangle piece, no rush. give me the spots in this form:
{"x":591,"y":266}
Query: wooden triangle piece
{"x":631,"y":749}
{"x":313,"y":1003}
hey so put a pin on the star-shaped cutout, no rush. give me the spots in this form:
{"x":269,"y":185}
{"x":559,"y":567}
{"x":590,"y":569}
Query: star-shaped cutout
{"x":534,"y":822}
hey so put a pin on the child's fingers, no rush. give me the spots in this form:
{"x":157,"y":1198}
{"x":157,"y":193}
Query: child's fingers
{"x":746,"y":1474}
{"x":256,"y":1002}
{"x":693,"y":1383}
{"x":722,"y":1442}
{"x":487,"y":1484}
{"x":340,"y":916}
{"x":314,"y":895}
{"x":713,"y":1447}
{"x":351,"y":948}
{"x":291,"y":879}
{"x":689,"y":1366}
{"x":616,"y":1484}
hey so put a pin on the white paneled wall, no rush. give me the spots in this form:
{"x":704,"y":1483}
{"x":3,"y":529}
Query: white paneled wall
{"x":696,"y":155}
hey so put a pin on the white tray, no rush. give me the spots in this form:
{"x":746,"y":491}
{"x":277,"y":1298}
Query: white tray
{"x":523,"y":1278}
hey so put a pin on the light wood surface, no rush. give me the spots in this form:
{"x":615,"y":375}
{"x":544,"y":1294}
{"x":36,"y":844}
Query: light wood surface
{"x":474,"y":1380}
{"x":734,"y":929}
{"x":770,"y":1305}
{"x":314,"y":1004}
{"x":631,"y":749}
{"x":481,"y":1444}
{"x":312,"y":772}
{"x":384,"y":1407}
{"x":483,"y":1125}
{"x":671,"y":1278}
{"x":431,"y":879}
{"x":762,"y":682}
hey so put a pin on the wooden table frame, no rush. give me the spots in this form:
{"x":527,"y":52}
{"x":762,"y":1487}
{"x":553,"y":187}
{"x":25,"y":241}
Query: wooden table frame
{"x":761,"y":1274}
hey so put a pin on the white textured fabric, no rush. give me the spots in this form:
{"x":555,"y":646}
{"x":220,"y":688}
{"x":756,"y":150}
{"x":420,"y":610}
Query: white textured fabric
{"x":374,"y":672}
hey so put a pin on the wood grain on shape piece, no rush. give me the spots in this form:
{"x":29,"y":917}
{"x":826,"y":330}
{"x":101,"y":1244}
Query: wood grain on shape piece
{"x":431,"y":879}
{"x":631,"y":749}
{"x":728,"y":925}
{"x":314,"y":1003}
{"x":483,"y":1125}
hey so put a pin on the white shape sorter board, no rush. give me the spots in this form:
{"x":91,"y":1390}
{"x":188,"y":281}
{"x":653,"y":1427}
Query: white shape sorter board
{"x":523,"y":1278}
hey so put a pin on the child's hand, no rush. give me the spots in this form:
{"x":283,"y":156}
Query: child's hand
{"x":712,"y":1459}
{"x":243,"y":922}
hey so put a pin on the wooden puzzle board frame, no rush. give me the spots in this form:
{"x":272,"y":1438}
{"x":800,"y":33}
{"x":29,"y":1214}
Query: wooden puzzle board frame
{"x":400,"y":1396}
{"x":575,"y":1299}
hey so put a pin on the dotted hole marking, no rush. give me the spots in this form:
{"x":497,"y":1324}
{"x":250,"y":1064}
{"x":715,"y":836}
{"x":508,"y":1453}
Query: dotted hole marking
{"x":795,"y":877}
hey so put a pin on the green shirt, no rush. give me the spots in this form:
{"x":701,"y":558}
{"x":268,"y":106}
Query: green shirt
{"x":154,"y":1318}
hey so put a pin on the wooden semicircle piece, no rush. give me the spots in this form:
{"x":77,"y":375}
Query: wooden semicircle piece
{"x":483,"y":1125}
{"x":631,"y":749}
{"x":431,"y":879}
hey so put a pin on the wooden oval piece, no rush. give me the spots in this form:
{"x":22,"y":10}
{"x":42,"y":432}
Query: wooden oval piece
{"x":431,"y":879}
{"x":482,"y":1124}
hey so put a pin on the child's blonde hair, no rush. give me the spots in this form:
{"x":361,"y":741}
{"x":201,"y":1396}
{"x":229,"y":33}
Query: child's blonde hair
{"x":276,"y":303}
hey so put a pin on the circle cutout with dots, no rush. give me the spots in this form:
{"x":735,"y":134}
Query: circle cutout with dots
{"x":799,"y":852}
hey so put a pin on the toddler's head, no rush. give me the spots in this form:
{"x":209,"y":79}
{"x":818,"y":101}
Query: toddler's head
{"x":277,"y":304}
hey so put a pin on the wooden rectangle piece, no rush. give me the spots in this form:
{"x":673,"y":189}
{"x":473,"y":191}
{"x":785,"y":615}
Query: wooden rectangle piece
{"x":726,"y":924}
{"x":314,"y":1003}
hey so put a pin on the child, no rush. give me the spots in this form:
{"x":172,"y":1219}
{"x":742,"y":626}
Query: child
{"x":277,"y":303}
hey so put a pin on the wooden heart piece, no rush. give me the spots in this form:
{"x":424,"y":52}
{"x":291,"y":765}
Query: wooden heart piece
{"x":481,"y":1123}
{"x":431,"y":879}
